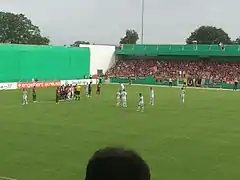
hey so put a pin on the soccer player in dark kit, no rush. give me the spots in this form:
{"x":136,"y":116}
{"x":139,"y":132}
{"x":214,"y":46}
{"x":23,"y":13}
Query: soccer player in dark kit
{"x":58,"y":94}
{"x":235,"y":86}
{"x":34,"y":94}
{"x":98,"y":89}
{"x":130,"y":80}
{"x":90,"y":89}
{"x":62,"y":91}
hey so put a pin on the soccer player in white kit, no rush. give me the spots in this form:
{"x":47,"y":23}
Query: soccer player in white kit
{"x":124,"y":98}
{"x":182,"y":94}
{"x":118,"y":98}
{"x":25,"y":96}
{"x":151,"y":96}
{"x":69,"y":92}
{"x":140,"y":103}
{"x":86,"y":89}
{"x":122,"y":87}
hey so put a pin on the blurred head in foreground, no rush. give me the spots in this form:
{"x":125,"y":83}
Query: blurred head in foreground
{"x":117,"y":164}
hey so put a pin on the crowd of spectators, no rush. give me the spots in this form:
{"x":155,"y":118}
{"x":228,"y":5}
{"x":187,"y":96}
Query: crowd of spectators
{"x":204,"y":69}
{"x":132,"y":68}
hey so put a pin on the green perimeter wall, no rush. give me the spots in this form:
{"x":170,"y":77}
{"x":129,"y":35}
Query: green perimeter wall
{"x":23,"y":62}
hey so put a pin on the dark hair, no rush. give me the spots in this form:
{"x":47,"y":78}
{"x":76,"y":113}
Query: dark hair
{"x":113,"y":163}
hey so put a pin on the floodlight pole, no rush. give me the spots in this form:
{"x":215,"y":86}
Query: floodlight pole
{"x":142,"y":20}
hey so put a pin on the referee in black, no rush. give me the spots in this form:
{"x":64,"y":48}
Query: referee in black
{"x":235,"y":86}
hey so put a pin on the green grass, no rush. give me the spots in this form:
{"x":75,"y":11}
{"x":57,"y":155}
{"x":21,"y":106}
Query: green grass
{"x":198,"y":140}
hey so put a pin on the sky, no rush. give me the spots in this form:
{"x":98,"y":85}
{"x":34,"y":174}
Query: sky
{"x":105,"y":21}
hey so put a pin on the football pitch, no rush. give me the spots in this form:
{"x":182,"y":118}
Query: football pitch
{"x":197,"y":140}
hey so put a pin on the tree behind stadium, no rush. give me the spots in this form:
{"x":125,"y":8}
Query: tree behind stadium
{"x":237,"y":41}
{"x":131,"y":37}
{"x":209,"y":35}
{"x":77,"y":43}
{"x":18,"y":29}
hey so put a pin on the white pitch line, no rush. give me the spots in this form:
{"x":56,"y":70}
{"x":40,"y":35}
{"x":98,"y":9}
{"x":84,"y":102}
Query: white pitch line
{"x":166,"y":86}
{"x":7,"y":178}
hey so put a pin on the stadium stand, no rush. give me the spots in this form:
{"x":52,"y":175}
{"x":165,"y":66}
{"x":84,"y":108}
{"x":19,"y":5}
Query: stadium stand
{"x":133,"y":68}
{"x":209,"y":64}
{"x":223,"y":71}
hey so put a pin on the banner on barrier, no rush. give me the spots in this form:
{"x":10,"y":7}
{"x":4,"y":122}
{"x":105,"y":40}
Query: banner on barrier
{"x":198,"y":82}
{"x":44,"y":84}
{"x":190,"y":82}
{"x":8,"y":86}
{"x":78,"y":81}
{"x":158,"y":78}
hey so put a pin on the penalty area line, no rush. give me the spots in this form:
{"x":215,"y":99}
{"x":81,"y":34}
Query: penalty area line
{"x":7,"y":178}
{"x":162,"y":86}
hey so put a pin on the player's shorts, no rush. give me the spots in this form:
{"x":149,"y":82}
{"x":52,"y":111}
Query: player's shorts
{"x":34,"y":96}
{"x":141,"y":104}
{"x":77,"y":93}
{"x":57,"y":98}
{"x":124,"y":99}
